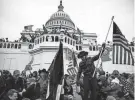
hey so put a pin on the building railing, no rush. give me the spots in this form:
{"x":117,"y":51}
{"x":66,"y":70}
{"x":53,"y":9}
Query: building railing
{"x":54,"y":38}
{"x":91,"y":47}
{"x":14,"y":45}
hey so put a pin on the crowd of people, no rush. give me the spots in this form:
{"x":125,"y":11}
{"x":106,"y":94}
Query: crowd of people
{"x":19,"y":86}
{"x":114,"y":86}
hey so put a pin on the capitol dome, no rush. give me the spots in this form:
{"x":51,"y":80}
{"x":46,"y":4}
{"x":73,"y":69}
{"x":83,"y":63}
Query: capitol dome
{"x":60,"y":19}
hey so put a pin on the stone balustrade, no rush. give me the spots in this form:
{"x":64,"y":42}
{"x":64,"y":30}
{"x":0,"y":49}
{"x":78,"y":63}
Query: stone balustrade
{"x":91,"y":47}
{"x":54,"y":38}
{"x":14,"y":45}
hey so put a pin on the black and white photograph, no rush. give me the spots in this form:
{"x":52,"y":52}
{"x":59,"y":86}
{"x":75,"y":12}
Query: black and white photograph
{"x":67,"y":50}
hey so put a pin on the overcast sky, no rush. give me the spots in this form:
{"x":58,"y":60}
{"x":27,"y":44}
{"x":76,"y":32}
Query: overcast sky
{"x":91,"y":16}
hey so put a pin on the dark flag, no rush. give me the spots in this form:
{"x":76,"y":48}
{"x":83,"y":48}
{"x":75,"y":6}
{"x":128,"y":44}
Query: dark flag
{"x":121,"y":50}
{"x":51,"y":66}
{"x":56,"y":74}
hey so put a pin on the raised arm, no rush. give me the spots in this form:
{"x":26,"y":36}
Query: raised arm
{"x":101,"y":51}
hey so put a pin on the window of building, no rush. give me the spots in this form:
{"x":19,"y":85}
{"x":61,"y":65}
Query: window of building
{"x":12,"y":45}
{"x":1,"y":45}
{"x":40,"y":40}
{"x":68,"y":40}
{"x":4,"y":45}
{"x":80,"y":47}
{"x":90,"y":48}
{"x":8,"y":46}
{"x":47,"y":38}
{"x":96,"y":48}
{"x":43,"y":38}
{"x":56,"y":39}
{"x":65,"y":39}
{"x":19,"y":46}
{"x":71,"y":42}
{"x":76,"y":47}
{"x":93,"y":48}
{"x":52,"y":38}
{"x":30,"y":46}
{"x":15,"y":46}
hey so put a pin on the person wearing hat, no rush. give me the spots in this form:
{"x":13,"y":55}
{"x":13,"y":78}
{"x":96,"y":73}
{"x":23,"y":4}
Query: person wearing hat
{"x":87,"y":67}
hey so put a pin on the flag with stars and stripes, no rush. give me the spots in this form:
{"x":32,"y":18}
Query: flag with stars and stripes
{"x":121,"y":51}
{"x":70,"y":63}
{"x":72,"y":70}
{"x":73,"y":66}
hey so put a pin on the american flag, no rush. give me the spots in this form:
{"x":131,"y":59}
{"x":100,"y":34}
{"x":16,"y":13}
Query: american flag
{"x":121,"y":50}
{"x":73,"y":66}
{"x":71,"y":69}
{"x":70,"y":63}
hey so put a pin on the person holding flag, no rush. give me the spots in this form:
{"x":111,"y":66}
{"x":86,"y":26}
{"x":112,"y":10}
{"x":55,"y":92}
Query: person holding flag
{"x":87,"y":67}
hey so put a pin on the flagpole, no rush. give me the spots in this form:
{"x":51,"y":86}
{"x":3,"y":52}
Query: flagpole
{"x":102,"y":48}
